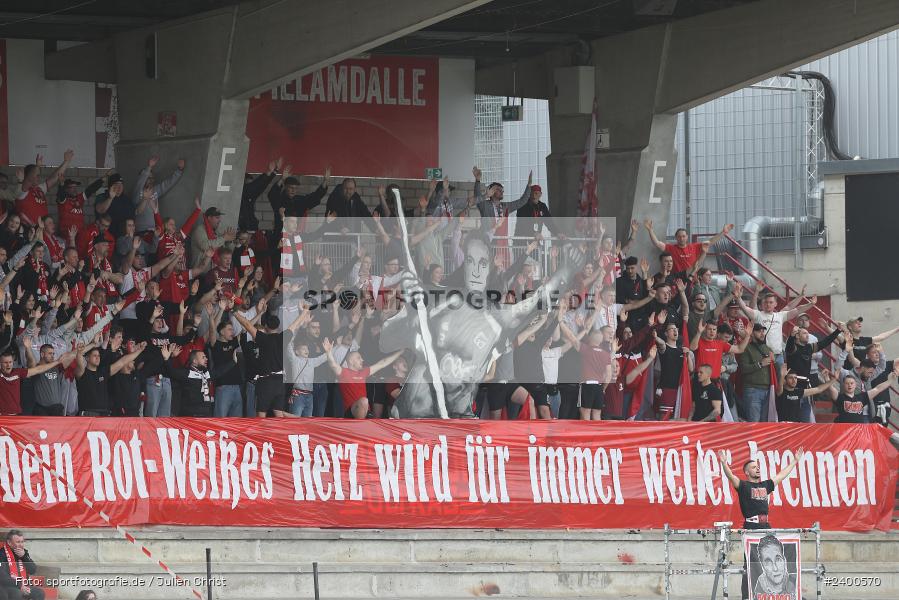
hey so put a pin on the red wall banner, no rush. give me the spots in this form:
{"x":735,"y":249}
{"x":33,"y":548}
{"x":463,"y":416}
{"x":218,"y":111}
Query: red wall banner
{"x":335,"y":473}
{"x":363,"y":117}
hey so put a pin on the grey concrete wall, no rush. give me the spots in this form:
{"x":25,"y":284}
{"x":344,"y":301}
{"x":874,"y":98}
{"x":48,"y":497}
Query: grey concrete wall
{"x":192,"y":60}
{"x":825,"y":271}
{"x":276,"y":563}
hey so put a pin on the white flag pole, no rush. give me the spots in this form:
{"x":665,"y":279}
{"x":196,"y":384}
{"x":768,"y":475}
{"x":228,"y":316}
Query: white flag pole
{"x":422,"y":310}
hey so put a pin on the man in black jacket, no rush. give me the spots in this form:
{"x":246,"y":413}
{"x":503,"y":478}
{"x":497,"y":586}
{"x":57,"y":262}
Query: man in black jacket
{"x":196,"y":391}
{"x":345,"y":202}
{"x":286,"y":195}
{"x":799,"y":351}
{"x":534,"y":215}
{"x":16,"y":566}
{"x":252,"y":189}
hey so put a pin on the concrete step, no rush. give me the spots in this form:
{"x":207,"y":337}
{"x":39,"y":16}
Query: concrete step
{"x":427,"y":580}
{"x":403,"y":546}
{"x":427,"y":564}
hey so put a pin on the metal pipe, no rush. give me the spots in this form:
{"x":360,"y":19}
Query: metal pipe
{"x":688,"y":217}
{"x":315,"y":578}
{"x":756,"y":228}
{"x":667,"y":563}
{"x":799,"y":188}
{"x":208,"y":573}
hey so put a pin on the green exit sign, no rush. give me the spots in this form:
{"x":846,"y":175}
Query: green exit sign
{"x":434,"y":173}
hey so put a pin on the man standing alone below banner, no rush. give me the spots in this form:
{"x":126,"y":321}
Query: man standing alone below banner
{"x":754,"y":492}
{"x":16,"y":567}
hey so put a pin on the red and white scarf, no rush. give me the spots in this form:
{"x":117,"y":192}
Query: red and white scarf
{"x":54,"y":247}
{"x":247,"y":258}
{"x":292,"y":245}
{"x":104,"y":266}
{"x":16,"y":568}
{"x":210,"y":232}
{"x":42,"y":273}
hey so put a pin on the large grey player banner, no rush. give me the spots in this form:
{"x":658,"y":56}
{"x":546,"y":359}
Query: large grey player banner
{"x":775,"y":566}
{"x":444,"y":302}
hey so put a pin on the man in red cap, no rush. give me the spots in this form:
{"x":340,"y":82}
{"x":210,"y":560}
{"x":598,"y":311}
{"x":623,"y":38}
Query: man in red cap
{"x":534,"y":215}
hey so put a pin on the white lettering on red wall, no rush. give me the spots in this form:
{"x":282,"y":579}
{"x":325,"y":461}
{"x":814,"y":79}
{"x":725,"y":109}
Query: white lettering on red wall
{"x":375,"y":117}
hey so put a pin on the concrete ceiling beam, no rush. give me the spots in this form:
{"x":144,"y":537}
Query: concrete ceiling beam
{"x":306,"y":36}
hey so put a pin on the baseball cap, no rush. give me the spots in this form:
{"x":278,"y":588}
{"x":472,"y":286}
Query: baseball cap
{"x":69,"y":182}
{"x":213,"y":212}
{"x":536,"y":188}
{"x":115,"y":178}
{"x":291,"y":181}
{"x":759,"y":327}
{"x":99,"y":239}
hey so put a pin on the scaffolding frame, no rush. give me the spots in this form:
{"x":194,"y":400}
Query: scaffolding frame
{"x":754,"y":151}
{"x":723,"y":567}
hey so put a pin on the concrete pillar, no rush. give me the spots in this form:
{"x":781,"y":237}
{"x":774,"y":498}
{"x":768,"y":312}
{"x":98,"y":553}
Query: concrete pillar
{"x":636,"y":173}
{"x":192,"y":63}
{"x":208,"y":66}
{"x":644,"y":77}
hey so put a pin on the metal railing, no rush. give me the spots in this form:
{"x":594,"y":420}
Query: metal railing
{"x":723,"y":565}
{"x":892,"y":422}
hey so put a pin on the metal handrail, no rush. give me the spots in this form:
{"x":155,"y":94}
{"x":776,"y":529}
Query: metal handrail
{"x":890,"y":422}
{"x":770,"y":271}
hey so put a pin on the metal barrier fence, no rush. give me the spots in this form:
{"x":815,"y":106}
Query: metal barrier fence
{"x":723,"y":532}
{"x":342,"y":248}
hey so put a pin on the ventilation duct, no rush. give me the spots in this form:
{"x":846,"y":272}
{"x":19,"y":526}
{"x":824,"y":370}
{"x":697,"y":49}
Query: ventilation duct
{"x":758,"y":228}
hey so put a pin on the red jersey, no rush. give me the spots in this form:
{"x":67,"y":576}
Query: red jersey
{"x":595,"y":363}
{"x":352,"y":385}
{"x":10,"y":388}
{"x":71,"y":212}
{"x":168,"y":243}
{"x":182,"y":359}
{"x":32,"y":204}
{"x":685,"y":257}
{"x":84,"y":241}
{"x":175,"y":288}
{"x":611,"y":267}
{"x":711,"y":353}
{"x":94,"y":314}
{"x":77,"y":292}
{"x":227,"y":277}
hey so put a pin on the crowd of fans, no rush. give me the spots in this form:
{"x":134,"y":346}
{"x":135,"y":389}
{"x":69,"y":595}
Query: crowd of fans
{"x":131,"y":313}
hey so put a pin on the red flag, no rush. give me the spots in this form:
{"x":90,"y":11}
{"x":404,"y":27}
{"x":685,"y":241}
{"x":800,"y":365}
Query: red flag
{"x":587,"y":202}
{"x":525,"y":413}
{"x":772,"y":394}
{"x":638,"y":386}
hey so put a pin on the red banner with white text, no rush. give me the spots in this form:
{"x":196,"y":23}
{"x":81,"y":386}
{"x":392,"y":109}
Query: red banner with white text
{"x":368,"y":117}
{"x":382,"y":473}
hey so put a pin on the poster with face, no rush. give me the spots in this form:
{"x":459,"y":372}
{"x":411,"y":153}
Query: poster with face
{"x":774,"y":566}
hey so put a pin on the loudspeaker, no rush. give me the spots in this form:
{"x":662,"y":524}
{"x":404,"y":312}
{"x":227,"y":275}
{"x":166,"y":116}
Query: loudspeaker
{"x":150,"y":56}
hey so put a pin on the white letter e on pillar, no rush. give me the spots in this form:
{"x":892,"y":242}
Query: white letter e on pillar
{"x":224,"y":167}
{"x":656,"y":178}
